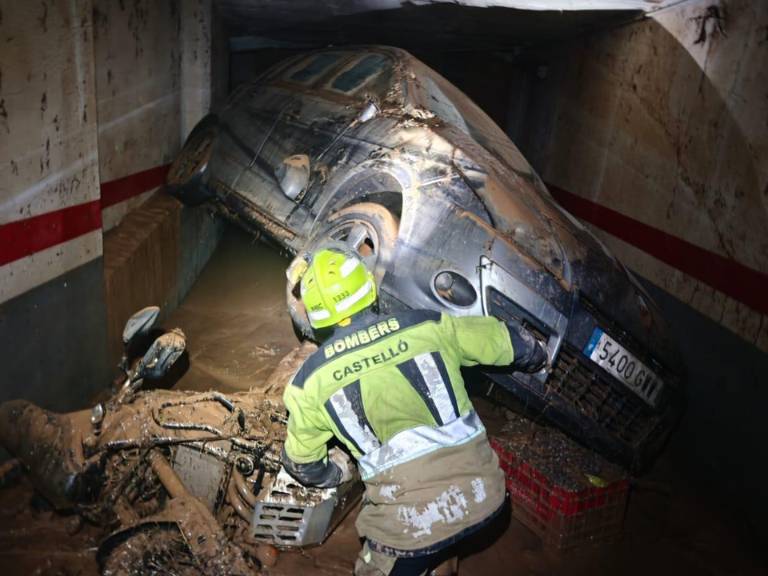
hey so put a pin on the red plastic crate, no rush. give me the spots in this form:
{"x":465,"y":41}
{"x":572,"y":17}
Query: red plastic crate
{"x":564,"y":518}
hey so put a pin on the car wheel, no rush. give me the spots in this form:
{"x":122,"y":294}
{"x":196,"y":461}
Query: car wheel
{"x":187,"y":177}
{"x":367,"y":229}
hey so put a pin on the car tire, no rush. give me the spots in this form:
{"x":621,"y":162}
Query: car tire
{"x":368,"y":229}
{"x":187,"y":177}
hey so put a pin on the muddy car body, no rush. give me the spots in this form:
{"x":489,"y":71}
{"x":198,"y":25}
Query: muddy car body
{"x":370,"y":147}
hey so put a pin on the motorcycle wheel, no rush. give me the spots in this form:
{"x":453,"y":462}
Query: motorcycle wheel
{"x":157,"y":550}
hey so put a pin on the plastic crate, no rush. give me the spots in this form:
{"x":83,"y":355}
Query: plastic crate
{"x":564,"y":517}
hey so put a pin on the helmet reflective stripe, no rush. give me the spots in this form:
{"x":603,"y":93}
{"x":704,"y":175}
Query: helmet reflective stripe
{"x":349,"y":266}
{"x":318,"y":314}
{"x":356,"y":297}
{"x":336,"y":286}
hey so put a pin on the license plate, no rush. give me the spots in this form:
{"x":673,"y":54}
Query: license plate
{"x":623,"y":365}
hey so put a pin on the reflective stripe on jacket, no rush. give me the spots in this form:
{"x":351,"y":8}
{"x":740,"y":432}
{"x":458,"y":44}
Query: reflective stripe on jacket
{"x":390,"y":388}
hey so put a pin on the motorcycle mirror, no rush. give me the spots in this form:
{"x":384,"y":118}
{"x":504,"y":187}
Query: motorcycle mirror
{"x":140,"y":323}
{"x":162,"y":355}
{"x":293,"y":175}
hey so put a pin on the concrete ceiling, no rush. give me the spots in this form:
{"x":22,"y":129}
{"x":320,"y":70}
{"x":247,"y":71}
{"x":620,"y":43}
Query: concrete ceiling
{"x":317,"y":9}
{"x":437,"y":24}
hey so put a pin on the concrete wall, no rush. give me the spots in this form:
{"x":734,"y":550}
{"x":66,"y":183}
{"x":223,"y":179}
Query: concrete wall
{"x":90,"y":117}
{"x":137,"y":62}
{"x":665,"y":121}
{"x":196,"y":52}
{"x":152,"y":258}
{"x":52,"y":306}
{"x":656,"y":135}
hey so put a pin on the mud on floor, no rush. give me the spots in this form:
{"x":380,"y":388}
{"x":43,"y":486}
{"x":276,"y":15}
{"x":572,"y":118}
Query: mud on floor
{"x":669,"y":529}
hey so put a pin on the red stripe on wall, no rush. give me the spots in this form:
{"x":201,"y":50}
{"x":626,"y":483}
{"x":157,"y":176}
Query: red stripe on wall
{"x":728,"y":276}
{"x":25,"y":237}
{"x":116,"y":191}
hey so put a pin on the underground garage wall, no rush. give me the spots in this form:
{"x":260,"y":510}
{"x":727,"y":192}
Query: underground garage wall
{"x":655,"y":134}
{"x":95,"y":98}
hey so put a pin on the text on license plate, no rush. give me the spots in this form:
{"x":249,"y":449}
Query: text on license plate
{"x":622,"y":364}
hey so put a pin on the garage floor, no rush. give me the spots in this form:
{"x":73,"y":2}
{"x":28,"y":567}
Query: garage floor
{"x":238,"y":330}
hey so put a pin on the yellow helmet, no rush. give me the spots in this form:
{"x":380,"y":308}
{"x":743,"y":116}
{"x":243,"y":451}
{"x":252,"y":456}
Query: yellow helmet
{"x":336,"y":286}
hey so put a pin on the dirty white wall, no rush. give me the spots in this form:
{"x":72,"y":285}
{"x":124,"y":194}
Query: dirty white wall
{"x":137,"y":55}
{"x":48,"y":159}
{"x":195,"y":62}
{"x":665,"y":122}
{"x":90,"y":118}
{"x":656,"y":135}
{"x":51,"y":296}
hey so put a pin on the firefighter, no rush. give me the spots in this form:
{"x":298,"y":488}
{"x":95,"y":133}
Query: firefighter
{"x":389,"y":388}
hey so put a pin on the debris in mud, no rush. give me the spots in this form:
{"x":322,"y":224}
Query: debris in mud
{"x":568,"y":495}
{"x":161,"y":551}
{"x":565,"y":463}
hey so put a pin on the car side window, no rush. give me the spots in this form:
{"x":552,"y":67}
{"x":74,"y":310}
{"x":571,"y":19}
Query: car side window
{"x":371,"y":73}
{"x":310,"y":70}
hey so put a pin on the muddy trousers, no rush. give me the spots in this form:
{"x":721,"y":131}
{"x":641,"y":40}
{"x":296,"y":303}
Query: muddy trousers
{"x":373,"y":563}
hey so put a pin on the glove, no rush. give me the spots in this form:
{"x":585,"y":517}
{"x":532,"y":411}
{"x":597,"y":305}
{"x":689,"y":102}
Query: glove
{"x":296,"y":269}
{"x":343,"y":463}
{"x":530,"y":354}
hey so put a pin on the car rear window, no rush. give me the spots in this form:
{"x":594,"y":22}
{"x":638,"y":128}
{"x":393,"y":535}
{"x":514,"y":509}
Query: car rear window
{"x":359,"y":75}
{"x":314,"y":68}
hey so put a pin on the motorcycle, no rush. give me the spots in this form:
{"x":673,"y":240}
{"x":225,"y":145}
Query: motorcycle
{"x":188,"y":483}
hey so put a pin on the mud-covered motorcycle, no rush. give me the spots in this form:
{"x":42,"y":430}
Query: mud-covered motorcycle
{"x":186,"y":483}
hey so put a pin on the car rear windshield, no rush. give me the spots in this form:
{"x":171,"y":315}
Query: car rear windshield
{"x":359,"y":74}
{"x":311,"y":70}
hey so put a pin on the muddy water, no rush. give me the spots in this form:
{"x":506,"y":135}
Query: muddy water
{"x":234,"y":317}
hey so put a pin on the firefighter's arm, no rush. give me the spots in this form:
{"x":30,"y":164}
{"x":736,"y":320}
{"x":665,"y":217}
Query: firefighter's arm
{"x":305,"y":455}
{"x":486,"y":340}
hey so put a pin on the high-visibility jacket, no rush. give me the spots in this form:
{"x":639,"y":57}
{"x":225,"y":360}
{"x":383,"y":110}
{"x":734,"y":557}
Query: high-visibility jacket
{"x":390,"y":388}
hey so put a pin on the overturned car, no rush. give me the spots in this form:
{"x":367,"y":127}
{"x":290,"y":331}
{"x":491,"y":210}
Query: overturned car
{"x":371,"y":148}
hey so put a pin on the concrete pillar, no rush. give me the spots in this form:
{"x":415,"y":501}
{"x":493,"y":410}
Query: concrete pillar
{"x":52,"y":313}
{"x":196,"y":30}
{"x":136,"y":50}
